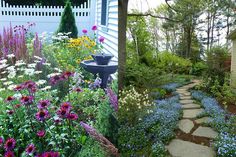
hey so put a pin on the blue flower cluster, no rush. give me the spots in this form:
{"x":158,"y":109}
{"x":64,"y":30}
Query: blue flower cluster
{"x":171,"y":86}
{"x":157,"y":126}
{"x":226,"y":145}
{"x":222,"y":122}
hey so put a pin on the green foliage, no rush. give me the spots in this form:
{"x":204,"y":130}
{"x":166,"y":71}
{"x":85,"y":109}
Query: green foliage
{"x":172,"y":63}
{"x":67,"y":23}
{"x":198,"y":68}
{"x":216,"y":58}
{"x":91,"y":148}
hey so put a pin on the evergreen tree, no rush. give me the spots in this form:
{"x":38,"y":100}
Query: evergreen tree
{"x":67,"y":23}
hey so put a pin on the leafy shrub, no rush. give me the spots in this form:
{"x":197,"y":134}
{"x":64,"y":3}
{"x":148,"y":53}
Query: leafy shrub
{"x":198,"y":68}
{"x":172,"y":63}
{"x":158,"y":149}
{"x":67,"y":23}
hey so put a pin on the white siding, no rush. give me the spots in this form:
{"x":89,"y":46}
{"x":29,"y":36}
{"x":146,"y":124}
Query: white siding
{"x":110,"y":32}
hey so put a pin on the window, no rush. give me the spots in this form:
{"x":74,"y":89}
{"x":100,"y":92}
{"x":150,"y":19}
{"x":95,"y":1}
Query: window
{"x":104,"y":13}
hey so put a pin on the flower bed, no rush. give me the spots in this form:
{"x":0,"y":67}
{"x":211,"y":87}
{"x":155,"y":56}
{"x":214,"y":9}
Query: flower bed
{"x":223,"y":122}
{"x":147,"y":138}
{"x":45,"y":109}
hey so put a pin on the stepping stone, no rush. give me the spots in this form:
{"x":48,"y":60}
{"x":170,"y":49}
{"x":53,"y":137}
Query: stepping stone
{"x":185,"y":94}
{"x":186,"y":101}
{"x":190,"y":106}
{"x":185,"y":97}
{"x":202,"y":120}
{"x":205,"y":132}
{"x":180,"y":148}
{"x":192,"y":113}
{"x":185,"y":125}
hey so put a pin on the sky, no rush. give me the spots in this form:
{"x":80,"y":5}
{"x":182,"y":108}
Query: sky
{"x":144,"y":5}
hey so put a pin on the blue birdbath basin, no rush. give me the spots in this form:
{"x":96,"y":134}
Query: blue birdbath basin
{"x":104,"y":71}
{"x":102,"y":58}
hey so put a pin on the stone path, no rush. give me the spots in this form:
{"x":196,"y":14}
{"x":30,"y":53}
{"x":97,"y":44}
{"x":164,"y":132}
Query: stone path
{"x":191,"y":126}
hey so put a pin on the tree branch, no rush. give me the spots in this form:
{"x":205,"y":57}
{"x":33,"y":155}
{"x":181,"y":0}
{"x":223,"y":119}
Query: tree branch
{"x":155,"y":16}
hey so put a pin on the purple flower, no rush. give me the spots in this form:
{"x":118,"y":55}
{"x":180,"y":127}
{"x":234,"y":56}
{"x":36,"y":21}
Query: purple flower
{"x":101,"y":39}
{"x":41,"y":133}
{"x":66,"y":105}
{"x":10,"y":112}
{"x":113,"y":98}
{"x":18,"y":88}
{"x":10,"y":98}
{"x":96,"y":83}
{"x":30,"y":86}
{"x":10,"y":144}
{"x":42,"y":115}
{"x":72,"y":116}
{"x":9,"y":154}
{"x":85,"y":31}
{"x":1,"y":141}
{"x":94,"y":28}
{"x":55,"y":79}
{"x":43,"y":104}
{"x":62,"y":112}
{"x":26,"y":100}
{"x":30,"y":149}
{"x":51,"y":154}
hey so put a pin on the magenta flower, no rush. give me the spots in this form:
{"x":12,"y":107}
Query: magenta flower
{"x":17,"y":105}
{"x":94,"y":28}
{"x":62,"y":113}
{"x":10,"y":98}
{"x":51,"y":154}
{"x":9,"y":154}
{"x":10,"y":144}
{"x":85,"y":31}
{"x":66,"y":75}
{"x":66,"y":105}
{"x":101,"y":39}
{"x":1,"y":141}
{"x":10,"y":112}
{"x":42,"y":104}
{"x":30,"y":149}
{"x":78,"y":90}
{"x":30,"y":86}
{"x":18,"y":88}
{"x":72,"y":116}
{"x":55,"y":79}
{"x":41,"y":133}
{"x":26,"y":100}
{"x":42,"y":115}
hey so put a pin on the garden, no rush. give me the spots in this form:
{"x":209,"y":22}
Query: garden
{"x":178,"y":98}
{"x":50,"y":105}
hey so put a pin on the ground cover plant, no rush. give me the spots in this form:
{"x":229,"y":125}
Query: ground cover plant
{"x":148,"y":124}
{"x":222,"y":121}
{"x":49,"y":106}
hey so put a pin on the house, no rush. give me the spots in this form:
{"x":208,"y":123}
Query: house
{"x":232,"y":36}
{"x":103,"y":13}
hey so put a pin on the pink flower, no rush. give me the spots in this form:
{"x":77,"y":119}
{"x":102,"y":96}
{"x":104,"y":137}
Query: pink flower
{"x":94,"y":28}
{"x":62,"y":113}
{"x":85,"y":31}
{"x":30,"y":149}
{"x":72,"y":116}
{"x":42,"y":115}
{"x":101,"y":39}
{"x":41,"y":133}
{"x":26,"y":100}
{"x":66,"y":105}
{"x":10,"y":144}
{"x":10,"y":98}
{"x":9,"y":154}
{"x":43,"y":104}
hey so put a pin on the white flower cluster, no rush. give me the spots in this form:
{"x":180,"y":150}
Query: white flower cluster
{"x":133,"y":100}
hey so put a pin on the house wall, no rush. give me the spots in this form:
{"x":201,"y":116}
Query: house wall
{"x":110,"y":31}
{"x":46,"y":18}
{"x":233,"y":65}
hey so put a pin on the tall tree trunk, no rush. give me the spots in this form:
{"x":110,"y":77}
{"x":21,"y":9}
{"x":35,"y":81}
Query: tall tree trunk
{"x":212,"y":28}
{"x":123,"y":9}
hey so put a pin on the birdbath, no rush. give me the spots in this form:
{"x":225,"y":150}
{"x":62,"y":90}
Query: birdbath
{"x":101,"y":65}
